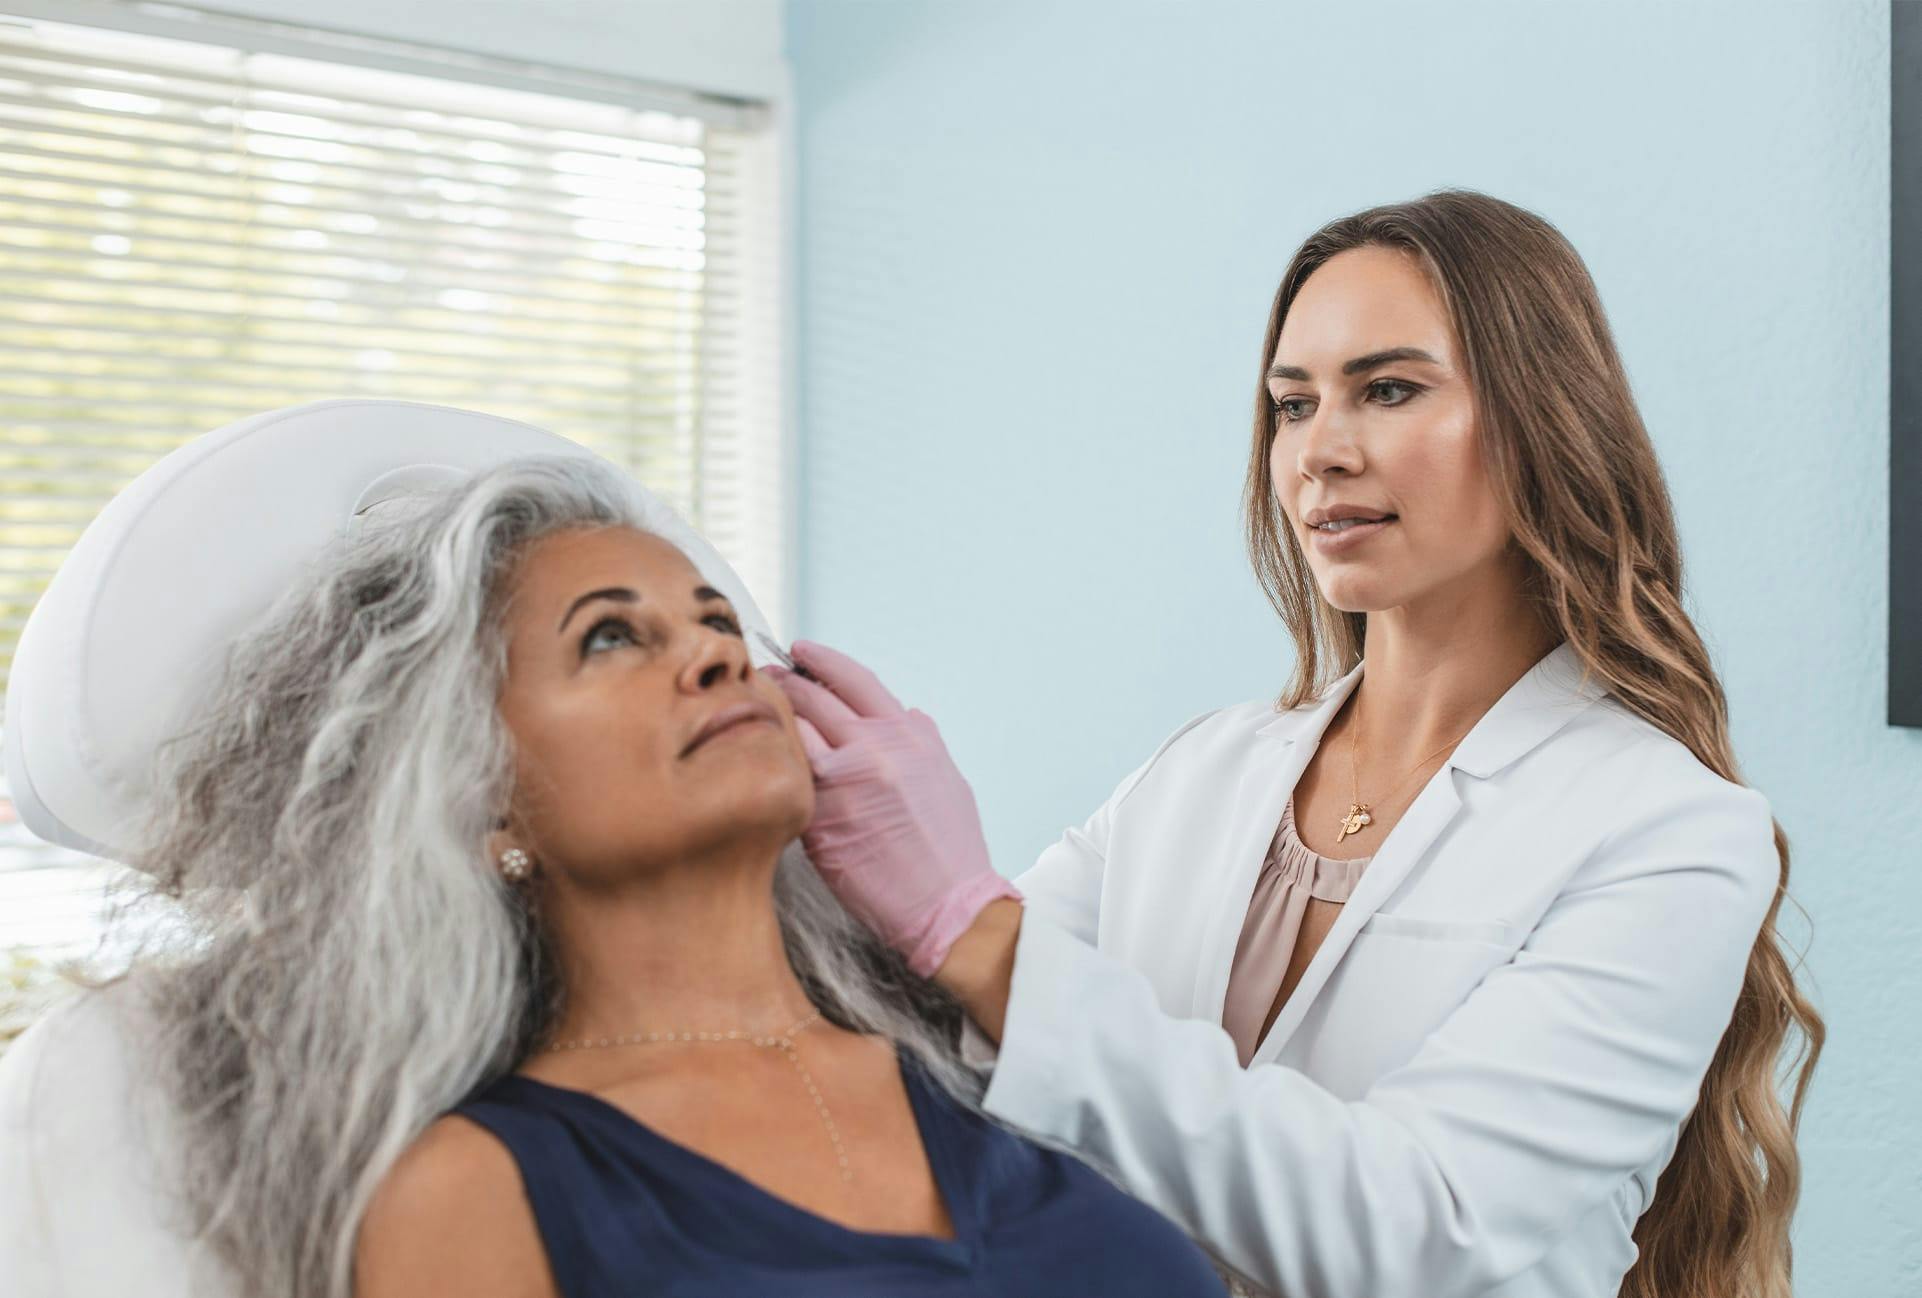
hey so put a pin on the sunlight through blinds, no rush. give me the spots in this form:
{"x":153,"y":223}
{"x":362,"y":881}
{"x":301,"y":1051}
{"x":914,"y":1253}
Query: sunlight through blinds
{"x":196,"y":230}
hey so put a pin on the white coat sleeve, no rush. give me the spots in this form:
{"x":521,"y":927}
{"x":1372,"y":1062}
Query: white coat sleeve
{"x":1562,"y":1073}
{"x":1064,"y":883}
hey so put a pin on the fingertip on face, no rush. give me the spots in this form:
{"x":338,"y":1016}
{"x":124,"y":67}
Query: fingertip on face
{"x":812,"y":659}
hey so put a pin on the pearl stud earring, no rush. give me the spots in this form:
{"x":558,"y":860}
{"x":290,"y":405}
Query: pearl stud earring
{"x":515,"y":865}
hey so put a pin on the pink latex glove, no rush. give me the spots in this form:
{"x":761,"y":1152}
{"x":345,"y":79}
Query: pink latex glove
{"x":895,"y":832}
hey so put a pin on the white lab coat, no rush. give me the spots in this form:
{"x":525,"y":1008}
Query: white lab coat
{"x":1486,"y":1064}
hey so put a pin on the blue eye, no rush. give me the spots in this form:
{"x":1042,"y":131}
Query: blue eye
{"x":720,"y":621}
{"x":588,"y":638}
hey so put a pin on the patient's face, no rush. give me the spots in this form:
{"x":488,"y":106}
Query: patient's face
{"x":607,"y":698}
{"x":1397,"y":438}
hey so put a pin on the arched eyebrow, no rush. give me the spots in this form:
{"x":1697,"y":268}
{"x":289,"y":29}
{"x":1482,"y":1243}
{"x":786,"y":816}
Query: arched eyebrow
{"x":621,"y":593}
{"x":1359,"y":365}
{"x":627,"y":595}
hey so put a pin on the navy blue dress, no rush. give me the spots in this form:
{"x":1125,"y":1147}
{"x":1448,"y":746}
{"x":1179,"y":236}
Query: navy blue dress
{"x":624,"y":1212}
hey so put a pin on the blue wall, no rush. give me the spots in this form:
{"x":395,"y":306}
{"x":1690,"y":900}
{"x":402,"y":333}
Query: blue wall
{"x":1036,"y":245}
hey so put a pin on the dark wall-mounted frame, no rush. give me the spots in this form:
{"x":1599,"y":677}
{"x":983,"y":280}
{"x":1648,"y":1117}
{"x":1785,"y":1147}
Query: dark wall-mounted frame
{"x":1905,"y":364}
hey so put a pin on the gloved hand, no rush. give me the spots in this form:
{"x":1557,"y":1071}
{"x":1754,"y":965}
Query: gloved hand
{"x":895,"y":832}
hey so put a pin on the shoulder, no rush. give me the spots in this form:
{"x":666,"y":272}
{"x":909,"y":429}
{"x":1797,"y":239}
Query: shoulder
{"x":1659,"y":802}
{"x":1663,"y":772}
{"x":1220,"y":738}
{"x":452,"y":1158}
{"x":451,"y":1216}
{"x":1228,"y":727}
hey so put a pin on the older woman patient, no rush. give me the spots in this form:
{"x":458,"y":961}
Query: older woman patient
{"x":502,"y":972}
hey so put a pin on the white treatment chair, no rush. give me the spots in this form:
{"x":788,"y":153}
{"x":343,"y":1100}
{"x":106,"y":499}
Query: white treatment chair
{"x":115,"y":656}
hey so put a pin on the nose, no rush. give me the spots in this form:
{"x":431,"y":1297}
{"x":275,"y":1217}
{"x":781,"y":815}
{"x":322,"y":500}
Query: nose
{"x":1327,"y":445}
{"x":716,"y":658}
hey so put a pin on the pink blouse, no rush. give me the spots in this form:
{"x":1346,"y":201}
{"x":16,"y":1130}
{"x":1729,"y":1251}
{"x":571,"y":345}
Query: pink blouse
{"x":1291,"y":873}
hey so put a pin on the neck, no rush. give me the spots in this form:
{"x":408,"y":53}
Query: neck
{"x":689,"y":948}
{"x":1433,"y":667}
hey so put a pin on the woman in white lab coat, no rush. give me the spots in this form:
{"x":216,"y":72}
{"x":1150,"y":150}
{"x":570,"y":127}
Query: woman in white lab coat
{"x":1416,"y":980}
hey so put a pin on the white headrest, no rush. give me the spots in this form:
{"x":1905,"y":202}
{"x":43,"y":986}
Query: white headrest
{"x":129,"y":634}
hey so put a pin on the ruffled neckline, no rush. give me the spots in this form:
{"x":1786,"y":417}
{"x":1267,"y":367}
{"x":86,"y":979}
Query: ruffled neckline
{"x":1292,"y":860}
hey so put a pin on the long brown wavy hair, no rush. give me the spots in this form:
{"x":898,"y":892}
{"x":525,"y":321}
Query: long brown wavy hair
{"x":1571,"y":463}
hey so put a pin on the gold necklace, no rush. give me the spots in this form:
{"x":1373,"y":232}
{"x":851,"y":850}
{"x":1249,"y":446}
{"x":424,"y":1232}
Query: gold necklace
{"x":1358,"y":816}
{"x":782,"y":1041}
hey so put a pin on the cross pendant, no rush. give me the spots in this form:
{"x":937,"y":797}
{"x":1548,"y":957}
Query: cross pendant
{"x":1357,"y":817}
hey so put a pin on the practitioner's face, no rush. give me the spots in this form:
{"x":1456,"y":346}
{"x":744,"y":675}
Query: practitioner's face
{"x":619,"y":656}
{"x":1395,"y":437}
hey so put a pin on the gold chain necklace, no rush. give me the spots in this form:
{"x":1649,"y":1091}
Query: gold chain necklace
{"x":782,"y":1041}
{"x":1358,"y":816}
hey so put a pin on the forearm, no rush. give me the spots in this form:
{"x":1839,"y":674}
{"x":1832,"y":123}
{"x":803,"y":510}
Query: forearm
{"x":979,"y":969}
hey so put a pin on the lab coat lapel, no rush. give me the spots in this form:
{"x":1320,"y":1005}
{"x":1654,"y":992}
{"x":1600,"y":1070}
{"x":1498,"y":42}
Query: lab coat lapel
{"x":1546,"y":697}
{"x":1433,"y":808}
{"x":1284,"y":747}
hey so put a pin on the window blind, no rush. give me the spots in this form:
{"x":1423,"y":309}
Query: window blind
{"x":202,"y":218}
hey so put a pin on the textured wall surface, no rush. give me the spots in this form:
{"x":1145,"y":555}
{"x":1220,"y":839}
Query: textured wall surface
{"x":1036,"y":244}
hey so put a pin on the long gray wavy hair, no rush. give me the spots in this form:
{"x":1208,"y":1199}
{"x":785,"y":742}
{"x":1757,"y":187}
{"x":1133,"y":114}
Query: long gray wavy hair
{"x":340,"y":963}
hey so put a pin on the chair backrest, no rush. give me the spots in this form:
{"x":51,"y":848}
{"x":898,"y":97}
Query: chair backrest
{"x":85,"y":1211}
{"x":114,"y":656}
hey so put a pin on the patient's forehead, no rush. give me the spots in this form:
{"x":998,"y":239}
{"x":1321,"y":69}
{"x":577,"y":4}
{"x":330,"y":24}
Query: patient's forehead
{"x":561,"y":566}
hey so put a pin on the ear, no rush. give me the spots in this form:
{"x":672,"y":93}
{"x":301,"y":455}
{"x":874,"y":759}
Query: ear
{"x":498,"y":841}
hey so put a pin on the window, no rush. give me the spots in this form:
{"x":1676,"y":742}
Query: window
{"x":208,"y":217}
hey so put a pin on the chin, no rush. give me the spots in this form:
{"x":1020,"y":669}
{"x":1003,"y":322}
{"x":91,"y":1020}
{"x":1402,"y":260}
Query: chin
{"x":773,"y":794}
{"x":1355,"y":593}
